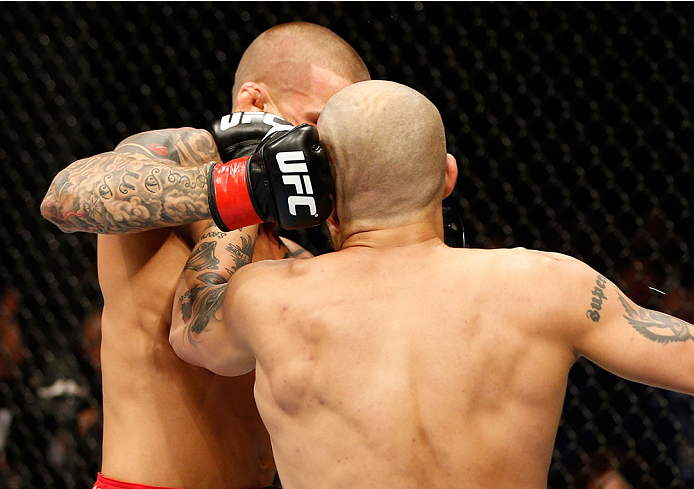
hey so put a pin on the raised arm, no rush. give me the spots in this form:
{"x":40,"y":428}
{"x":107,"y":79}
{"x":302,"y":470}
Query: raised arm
{"x":150,"y":180}
{"x":609,"y":329}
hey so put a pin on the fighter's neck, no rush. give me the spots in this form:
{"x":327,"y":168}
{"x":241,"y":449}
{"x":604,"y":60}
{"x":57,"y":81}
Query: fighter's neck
{"x":394,"y":237}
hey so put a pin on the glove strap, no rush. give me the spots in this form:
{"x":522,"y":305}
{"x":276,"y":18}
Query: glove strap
{"x":230,"y":203}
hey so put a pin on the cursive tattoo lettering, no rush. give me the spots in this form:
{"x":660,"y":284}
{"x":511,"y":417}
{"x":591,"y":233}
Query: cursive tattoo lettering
{"x":598,"y":297}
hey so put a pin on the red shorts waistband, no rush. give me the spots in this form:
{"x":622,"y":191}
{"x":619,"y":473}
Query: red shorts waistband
{"x":106,"y":483}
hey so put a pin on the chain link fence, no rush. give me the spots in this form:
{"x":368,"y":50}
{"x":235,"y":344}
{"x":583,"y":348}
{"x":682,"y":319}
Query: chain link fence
{"x":571,"y":124}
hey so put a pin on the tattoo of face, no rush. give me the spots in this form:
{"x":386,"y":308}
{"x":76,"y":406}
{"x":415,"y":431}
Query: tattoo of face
{"x":205,"y":301}
{"x":202,"y":303}
{"x":596,"y":301}
{"x":656,"y":326}
{"x":203,"y":257}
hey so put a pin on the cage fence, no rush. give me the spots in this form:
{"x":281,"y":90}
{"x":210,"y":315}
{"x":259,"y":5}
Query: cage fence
{"x":571,"y":123}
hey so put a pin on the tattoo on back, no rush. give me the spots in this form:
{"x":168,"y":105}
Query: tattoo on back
{"x":656,"y":326}
{"x":598,"y":296}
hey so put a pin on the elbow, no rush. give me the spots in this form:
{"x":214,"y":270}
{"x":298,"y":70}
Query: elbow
{"x":51,"y":210}
{"x":48,"y":208}
{"x":55,"y":206}
{"x":175,"y":340}
{"x":184,"y":351}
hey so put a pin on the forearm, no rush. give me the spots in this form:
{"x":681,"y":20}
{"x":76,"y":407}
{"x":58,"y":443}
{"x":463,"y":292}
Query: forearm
{"x":202,"y":288}
{"x":152,"y":179}
{"x":119,"y":193}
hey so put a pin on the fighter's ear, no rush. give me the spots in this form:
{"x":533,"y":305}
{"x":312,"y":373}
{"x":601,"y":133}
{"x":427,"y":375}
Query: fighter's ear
{"x":451,"y":174}
{"x":333,"y":222}
{"x":251,"y":98}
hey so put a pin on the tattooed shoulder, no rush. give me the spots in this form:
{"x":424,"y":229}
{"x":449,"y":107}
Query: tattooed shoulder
{"x":654,"y":325}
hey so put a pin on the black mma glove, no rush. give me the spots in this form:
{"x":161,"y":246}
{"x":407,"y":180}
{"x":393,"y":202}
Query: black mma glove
{"x":239,"y":133}
{"x":286,"y":180}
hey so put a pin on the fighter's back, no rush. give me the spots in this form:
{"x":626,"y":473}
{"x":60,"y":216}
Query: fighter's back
{"x":167,"y":423}
{"x":416,"y":366}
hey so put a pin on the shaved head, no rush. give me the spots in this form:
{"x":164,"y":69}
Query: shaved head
{"x":285,"y":57}
{"x":388,"y":151}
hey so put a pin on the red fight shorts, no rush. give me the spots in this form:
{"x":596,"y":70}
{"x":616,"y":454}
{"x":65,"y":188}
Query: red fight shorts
{"x":106,"y":483}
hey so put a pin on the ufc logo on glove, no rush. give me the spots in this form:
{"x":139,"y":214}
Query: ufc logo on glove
{"x":233,"y":120}
{"x":298,"y":174}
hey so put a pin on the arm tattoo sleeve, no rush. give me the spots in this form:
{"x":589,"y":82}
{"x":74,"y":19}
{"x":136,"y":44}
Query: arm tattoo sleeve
{"x":656,"y":326}
{"x":209,"y":275}
{"x":151,"y":180}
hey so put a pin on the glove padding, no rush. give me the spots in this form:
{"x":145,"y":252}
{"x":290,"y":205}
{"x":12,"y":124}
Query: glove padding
{"x":286,"y":180}
{"x":239,"y":133}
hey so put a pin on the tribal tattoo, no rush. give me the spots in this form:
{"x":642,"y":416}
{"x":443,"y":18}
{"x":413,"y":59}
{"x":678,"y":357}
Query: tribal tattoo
{"x":202,"y":303}
{"x":153,"y":179}
{"x":656,"y":326}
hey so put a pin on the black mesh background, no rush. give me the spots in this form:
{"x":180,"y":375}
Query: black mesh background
{"x":571,"y":124}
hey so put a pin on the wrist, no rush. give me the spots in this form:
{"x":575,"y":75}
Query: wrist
{"x":229,"y":201}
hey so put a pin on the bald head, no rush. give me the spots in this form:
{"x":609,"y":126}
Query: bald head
{"x":388,"y":150}
{"x":284,"y":57}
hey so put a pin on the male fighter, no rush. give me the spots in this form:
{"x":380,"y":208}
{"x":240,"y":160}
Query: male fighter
{"x":398,"y":361}
{"x":167,"y":423}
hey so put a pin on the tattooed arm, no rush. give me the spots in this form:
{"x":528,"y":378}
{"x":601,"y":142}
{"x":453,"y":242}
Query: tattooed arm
{"x":150,"y":180}
{"x":609,"y":329}
{"x":200,"y":334}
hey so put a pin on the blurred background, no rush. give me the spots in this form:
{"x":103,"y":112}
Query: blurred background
{"x":571,"y":124}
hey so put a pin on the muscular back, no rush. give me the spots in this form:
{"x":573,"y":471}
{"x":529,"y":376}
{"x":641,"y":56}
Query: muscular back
{"x":167,"y":423}
{"x":405,"y":368}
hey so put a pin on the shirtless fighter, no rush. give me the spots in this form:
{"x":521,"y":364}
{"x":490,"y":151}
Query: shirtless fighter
{"x":168,"y":423}
{"x":398,"y":361}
